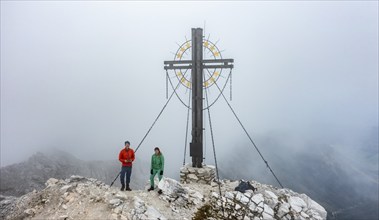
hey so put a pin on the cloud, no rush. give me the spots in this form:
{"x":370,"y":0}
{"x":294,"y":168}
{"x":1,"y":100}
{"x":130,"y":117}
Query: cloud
{"x":86,"y":76}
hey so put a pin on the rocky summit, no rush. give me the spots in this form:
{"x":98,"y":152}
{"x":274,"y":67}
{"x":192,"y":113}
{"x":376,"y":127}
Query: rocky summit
{"x":87,"y":198}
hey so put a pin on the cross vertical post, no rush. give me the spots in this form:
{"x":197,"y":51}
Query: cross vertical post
{"x":196,"y":145}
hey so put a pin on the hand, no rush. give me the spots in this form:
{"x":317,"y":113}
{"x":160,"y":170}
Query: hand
{"x":151,"y":171}
{"x":161,"y":173}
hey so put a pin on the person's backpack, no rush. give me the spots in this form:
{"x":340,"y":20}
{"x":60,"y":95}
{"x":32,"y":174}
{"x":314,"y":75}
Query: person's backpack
{"x":243,"y":186}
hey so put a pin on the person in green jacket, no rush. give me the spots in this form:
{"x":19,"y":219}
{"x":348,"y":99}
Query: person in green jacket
{"x":156,"y":167}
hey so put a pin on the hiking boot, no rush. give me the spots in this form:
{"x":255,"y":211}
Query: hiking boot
{"x":127,"y":188}
{"x":122,"y":187}
{"x":151,"y":188}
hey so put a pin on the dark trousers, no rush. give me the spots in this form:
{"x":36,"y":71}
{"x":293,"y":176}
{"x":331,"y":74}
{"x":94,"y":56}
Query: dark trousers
{"x":125,"y":171}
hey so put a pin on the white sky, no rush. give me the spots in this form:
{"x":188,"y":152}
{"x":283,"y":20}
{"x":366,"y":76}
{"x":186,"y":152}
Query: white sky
{"x":86,"y":76}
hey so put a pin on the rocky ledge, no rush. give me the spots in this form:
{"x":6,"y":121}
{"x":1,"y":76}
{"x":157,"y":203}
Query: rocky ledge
{"x":84,"y":198}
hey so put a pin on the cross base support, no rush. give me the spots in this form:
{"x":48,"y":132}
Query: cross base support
{"x":204,"y":175}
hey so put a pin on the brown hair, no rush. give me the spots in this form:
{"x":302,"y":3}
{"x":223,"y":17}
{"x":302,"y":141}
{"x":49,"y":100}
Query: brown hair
{"x":157,"y":148}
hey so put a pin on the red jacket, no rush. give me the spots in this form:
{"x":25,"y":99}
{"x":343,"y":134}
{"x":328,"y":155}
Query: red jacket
{"x":126,"y":155}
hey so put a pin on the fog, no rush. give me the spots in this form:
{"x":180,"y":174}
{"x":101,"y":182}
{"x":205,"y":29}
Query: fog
{"x":86,"y":76}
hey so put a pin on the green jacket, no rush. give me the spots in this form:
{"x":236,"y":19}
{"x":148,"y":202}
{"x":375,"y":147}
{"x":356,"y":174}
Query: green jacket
{"x":157,"y":162}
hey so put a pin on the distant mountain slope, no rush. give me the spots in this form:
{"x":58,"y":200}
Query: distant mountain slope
{"x":19,"y":179}
{"x":345,"y":186}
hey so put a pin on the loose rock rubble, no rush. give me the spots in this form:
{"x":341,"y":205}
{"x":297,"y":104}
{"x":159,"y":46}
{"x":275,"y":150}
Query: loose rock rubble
{"x":85,"y":198}
{"x":266,"y":203}
{"x":178,"y":196}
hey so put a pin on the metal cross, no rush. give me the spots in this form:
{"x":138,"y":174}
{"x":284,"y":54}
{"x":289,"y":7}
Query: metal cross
{"x":197,"y":65}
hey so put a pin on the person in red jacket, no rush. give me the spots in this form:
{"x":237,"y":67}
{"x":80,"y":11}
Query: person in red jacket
{"x":126,"y":157}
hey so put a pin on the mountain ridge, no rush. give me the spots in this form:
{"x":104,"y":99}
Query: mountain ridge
{"x":87,"y":198}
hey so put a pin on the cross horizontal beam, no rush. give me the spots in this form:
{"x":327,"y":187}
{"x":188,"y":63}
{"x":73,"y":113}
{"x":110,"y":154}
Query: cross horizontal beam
{"x":204,"y":67}
{"x":187,"y":64}
{"x":203,"y":61}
